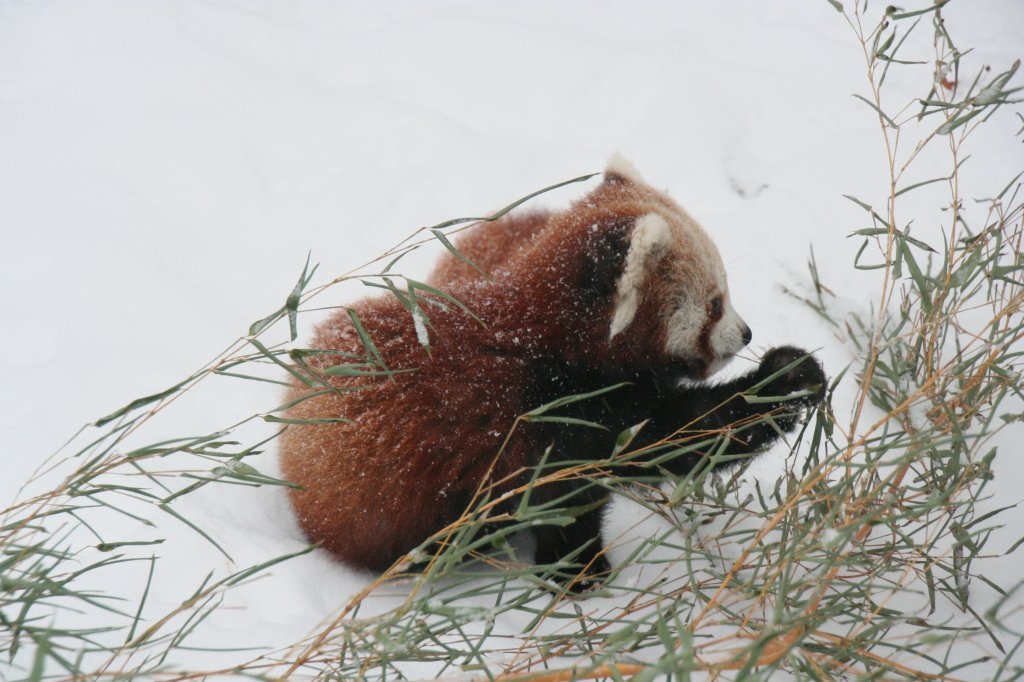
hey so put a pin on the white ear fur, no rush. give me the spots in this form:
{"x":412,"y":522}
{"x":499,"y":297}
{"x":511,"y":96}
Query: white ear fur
{"x":650,"y":239}
{"x":618,"y":165}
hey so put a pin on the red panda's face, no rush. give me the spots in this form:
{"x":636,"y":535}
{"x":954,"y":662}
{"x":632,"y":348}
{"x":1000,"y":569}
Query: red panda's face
{"x":701,"y":324}
{"x":672,"y":260}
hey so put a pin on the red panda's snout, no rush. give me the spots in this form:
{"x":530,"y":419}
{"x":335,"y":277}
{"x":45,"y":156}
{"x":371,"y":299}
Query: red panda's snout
{"x":728,"y":335}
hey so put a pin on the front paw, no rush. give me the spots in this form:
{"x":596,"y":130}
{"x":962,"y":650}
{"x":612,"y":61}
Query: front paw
{"x":792,"y":371}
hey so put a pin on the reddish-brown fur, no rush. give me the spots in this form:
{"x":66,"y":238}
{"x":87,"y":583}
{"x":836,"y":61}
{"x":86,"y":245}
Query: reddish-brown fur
{"x":418,"y":447}
{"x":401,"y":456}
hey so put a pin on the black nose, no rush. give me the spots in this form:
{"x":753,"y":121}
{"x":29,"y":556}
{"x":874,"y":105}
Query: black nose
{"x":747,"y":335}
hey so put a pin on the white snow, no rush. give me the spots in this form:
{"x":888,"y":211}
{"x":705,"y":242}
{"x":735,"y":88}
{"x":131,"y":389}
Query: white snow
{"x":166,"y":166}
{"x":420,"y":325}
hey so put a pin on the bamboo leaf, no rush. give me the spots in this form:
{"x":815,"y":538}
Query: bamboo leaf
{"x":141,"y":402}
{"x":568,"y":400}
{"x":882,"y":114}
{"x":440,"y":236}
{"x":564,"y":420}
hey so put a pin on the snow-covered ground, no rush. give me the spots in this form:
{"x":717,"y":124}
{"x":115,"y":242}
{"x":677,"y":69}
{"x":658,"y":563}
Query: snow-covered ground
{"x":165,"y":167}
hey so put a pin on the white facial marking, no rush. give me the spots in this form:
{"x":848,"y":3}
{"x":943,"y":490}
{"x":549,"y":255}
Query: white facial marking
{"x":684,"y":328}
{"x":650,"y":239}
{"x":727,"y":336}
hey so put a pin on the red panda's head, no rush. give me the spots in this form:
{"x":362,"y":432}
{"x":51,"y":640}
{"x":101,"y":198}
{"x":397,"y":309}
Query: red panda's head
{"x":672,"y":271}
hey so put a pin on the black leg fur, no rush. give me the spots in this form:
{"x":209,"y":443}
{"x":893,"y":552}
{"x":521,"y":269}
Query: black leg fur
{"x":577,"y":544}
{"x":672,"y":412}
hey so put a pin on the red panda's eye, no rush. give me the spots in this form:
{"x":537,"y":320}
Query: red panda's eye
{"x":716,"y":307}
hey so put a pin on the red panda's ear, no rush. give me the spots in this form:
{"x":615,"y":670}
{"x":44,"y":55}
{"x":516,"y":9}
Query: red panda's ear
{"x":648,"y":242}
{"x":619,"y":170}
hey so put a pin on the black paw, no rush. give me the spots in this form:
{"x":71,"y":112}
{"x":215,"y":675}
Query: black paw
{"x":794,"y":371}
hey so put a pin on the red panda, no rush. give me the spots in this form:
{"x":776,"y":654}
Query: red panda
{"x":621,"y":287}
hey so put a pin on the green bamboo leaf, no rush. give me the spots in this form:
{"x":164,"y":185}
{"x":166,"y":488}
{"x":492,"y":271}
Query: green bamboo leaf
{"x":964,"y":538}
{"x":514,"y":204}
{"x":272,"y":356}
{"x":166,"y":508}
{"x":291,"y":305}
{"x":885,"y":117}
{"x":357,"y":370}
{"x":897,"y":15}
{"x":258,"y":568}
{"x":250,"y":377}
{"x":142,"y":601}
{"x":39,"y":660}
{"x":880,"y":50}
{"x":140,"y":402}
{"x":565,"y":420}
{"x":860,"y":252}
{"x":364,"y":338}
{"x":414,"y":285}
{"x":929,"y":580}
{"x":916,"y":185}
{"x":259,"y":325}
{"x":569,"y":399}
{"x":789,"y":397}
{"x":954,"y":123}
{"x":922,"y":282}
{"x":1003,"y":272}
{"x":1012,"y":182}
{"x":860,"y":203}
{"x":904,"y":235}
{"x":626,"y":437}
{"x":870,"y":232}
{"x":440,"y":236}
{"x":287,"y":420}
